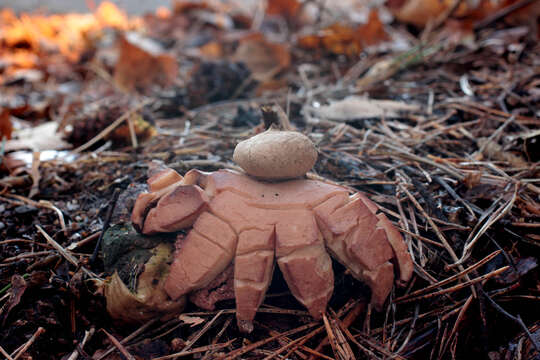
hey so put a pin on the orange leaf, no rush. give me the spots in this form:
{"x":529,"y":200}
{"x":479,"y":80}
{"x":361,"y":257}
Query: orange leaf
{"x":373,"y":31}
{"x":184,"y":6}
{"x":419,"y":12}
{"x":110,"y":15}
{"x":345,"y":39}
{"x":212,"y":49}
{"x":264,"y":59}
{"x":143,"y":63}
{"x":287,"y":8}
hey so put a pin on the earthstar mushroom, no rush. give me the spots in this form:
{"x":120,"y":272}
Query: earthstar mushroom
{"x":234,"y":218}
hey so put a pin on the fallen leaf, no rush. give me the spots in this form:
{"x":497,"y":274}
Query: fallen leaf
{"x":191,"y":320}
{"x":358,"y":107}
{"x":185,"y":6}
{"x":346,"y":39}
{"x":142,"y":63}
{"x":417,"y":12}
{"x":18,"y":287}
{"x":420,"y":12}
{"x":5,"y":124}
{"x":264,"y":59}
{"x":212,"y":50}
{"x":109,"y":15}
{"x":38,"y":138}
{"x":287,"y":8}
{"x":373,"y":31}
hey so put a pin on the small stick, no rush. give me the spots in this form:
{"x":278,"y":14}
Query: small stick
{"x":128,"y":338}
{"x":283,"y":348}
{"x":458,"y":286}
{"x":70,"y":258}
{"x":26,"y":255}
{"x":273,"y":114}
{"x":8,"y":357}
{"x":84,"y":241}
{"x":493,"y":218}
{"x":246,"y":349}
{"x":87,"y":336}
{"x":451,"y":278}
{"x":29,"y":343}
{"x":218,"y":336}
{"x":331,"y":336}
{"x":411,"y":330}
{"x":305,"y":338}
{"x":437,"y":231}
{"x":132,"y":132}
{"x":119,"y":346}
{"x":106,"y":224}
{"x":41,"y":204}
{"x":207,"y":326}
{"x":517,"y":319}
{"x":460,"y":317}
{"x":34,"y":190}
{"x":197,"y":350}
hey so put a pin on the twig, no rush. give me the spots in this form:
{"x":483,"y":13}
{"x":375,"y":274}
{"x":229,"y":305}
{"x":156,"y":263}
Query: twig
{"x":34,"y":190}
{"x":201,"y":332}
{"x":17,"y":353}
{"x":196,"y":350}
{"x":128,"y":338}
{"x":106,"y":224}
{"x":498,"y":214}
{"x":450,"y":279}
{"x":433,"y":226}
{"x":84,"y":241}
{"x":246,"y":349}
{"x":70,"y":258}
{"x":87,"y":336}
{"x":41,"y":204}
{"x":457,"y":287}
{"x":517,"y":319}
{"x":8,"y":357}
{"x":119,"y":346}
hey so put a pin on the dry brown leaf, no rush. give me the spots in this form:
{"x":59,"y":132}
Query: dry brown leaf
{"x":149,"y":299}
{"x":287,"y":8}
{"x":358,"y":107}
{"x":420,"y":12}
{"x":5,"y":124}
{"x":191,"y":320}
{"x":346,"y":39}
{"x":212,"y":50}
{"x":38,"y":138}
{"x":18,"y":287}
{"x":184,"y":6}
{"x":264,"y":59}
{"x":142,"y":63}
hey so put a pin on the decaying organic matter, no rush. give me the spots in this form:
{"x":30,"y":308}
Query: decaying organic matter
{"x":139,"y":265}
{"x":298,"y":222}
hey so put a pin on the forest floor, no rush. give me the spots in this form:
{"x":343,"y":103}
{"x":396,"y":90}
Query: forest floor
{"x":438,"y":124}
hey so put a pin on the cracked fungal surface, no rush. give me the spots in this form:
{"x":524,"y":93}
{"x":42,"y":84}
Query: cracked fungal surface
{"x":300,"y":224}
